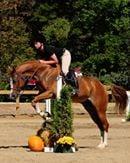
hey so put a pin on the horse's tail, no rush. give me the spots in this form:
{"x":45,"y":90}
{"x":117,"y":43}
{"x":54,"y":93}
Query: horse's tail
{"x":120,"y":96}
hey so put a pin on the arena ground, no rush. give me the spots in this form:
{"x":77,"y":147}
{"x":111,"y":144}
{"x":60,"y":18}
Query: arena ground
{"x":16,"y":130}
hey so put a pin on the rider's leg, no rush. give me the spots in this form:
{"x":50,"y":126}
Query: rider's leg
{"x":69,"y":76}
{"x":65,"y":61}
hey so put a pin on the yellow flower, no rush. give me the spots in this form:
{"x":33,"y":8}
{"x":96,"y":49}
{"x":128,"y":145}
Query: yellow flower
{"x":66,"y":140}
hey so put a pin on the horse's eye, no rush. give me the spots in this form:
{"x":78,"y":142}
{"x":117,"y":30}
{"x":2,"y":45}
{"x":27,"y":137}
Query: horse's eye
{"x":14,"y":80}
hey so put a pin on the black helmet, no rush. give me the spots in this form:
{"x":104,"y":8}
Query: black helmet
{"x":38,"y":37}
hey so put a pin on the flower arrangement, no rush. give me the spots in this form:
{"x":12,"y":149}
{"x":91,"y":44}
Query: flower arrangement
{"x":64,"y":145}
{"x":66,"y":140}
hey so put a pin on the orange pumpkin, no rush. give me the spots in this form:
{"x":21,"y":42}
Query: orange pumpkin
{"x":35,"y":143}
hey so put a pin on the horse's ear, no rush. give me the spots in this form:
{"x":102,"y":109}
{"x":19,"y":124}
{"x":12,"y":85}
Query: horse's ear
{"x":11,"y":70}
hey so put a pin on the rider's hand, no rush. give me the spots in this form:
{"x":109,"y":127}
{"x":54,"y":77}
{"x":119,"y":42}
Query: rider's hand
{"x":42,"y":61}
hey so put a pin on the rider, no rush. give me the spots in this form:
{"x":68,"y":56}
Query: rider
{"x":52,"y":55}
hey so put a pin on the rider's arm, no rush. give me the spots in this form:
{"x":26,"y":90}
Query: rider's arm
{"x":53,"y":60}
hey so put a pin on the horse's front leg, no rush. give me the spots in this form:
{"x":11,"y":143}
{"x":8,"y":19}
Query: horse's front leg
{"x":35,"y":102}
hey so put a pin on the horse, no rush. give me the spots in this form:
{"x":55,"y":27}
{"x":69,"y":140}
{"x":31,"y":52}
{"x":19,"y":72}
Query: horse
{"x":92,"y":94}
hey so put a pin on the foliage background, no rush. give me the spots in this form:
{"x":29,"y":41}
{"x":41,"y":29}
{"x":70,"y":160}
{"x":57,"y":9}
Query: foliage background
{"x":96,"y":32}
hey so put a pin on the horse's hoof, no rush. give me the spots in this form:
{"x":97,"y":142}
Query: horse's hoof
{"x":123,"y":120}
{"x":48,"y":120}
{"x":45,"y":115}
{"x":102,"y":146}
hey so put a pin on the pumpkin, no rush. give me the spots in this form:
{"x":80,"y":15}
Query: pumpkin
{"x":35,"y":143}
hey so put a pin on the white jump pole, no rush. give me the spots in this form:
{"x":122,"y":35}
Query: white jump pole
{"x":58,"y":89}
{"x":59,"y":86}
{"x":128,"y":105}
{"x":48,"y":106}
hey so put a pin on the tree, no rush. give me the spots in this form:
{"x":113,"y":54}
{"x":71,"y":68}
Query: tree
{"x":103,"y":32}
{"x":96,"y":32}
{"x":57,"y":32}
{"x":14,"y":39}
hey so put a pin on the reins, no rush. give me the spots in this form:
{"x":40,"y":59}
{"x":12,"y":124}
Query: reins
{"x":25,"y":78}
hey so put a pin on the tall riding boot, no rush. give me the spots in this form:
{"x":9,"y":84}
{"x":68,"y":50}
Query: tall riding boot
{"x":70,"y":78}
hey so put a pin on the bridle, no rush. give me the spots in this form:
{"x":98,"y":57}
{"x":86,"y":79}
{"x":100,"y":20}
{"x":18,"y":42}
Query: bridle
{"x":24,"y":78}
{"x":12,"y":89}
{"x":19,"y":77}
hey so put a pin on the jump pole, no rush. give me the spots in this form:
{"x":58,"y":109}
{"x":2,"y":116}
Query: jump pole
{"x":128,"y":105}
{"x":58,"y":90}
{"x":127,"y":108}
{"x":48,"y":105}
{"x":59,"y":86}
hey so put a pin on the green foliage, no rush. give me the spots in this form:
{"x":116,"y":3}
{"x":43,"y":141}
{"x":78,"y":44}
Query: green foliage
{"x":128,"y":117}
{"x":104,"y":27}
{"x":96,"y":32}
{"x":62,"y":114}
{"x":14,"y":39}
{"x":14,"y":47}
{"x":109,"y":68}
{"x":58,"y":29}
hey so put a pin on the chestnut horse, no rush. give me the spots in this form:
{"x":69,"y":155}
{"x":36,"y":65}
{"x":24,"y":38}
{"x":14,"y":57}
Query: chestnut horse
{"x":92,"y":94}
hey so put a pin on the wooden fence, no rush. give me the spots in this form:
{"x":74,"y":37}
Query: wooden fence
{"x":8,"y":107}
{"x":17,"y":104}
{"x":25,"y":92}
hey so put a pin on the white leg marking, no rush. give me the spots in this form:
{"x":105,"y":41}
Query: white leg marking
{"x":39,"y":111}
{"x":103,"y":142}
{"x":105,"y":138}
{"x":101,"y":145}
{"x":11,"y":87}
{"x":38,"y":108}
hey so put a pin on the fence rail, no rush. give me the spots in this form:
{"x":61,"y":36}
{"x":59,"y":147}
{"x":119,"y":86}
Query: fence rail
{"x":29,"y":92}
{"x":25,"y":92}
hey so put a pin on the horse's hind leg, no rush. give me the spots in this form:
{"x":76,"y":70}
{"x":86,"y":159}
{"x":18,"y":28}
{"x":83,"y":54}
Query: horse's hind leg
{"x":99,"y":119}
{"x":104,"y":133}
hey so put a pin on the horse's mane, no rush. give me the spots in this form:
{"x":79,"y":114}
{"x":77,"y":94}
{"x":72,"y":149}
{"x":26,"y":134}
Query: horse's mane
{"x":30,"y":61}
{"x":35,"y":62}
{"x":32,"y":65}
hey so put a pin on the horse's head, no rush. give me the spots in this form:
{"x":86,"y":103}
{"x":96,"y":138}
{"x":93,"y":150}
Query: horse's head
{"x":43,"y":73}
{"x":17,"y":82}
